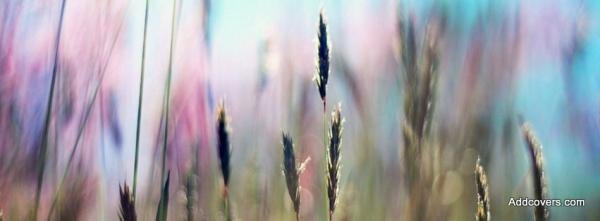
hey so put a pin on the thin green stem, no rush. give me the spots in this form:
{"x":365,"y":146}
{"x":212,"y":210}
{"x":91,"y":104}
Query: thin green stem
{"x":86,"y":117}
{"x":168,"y":93}
{"x":325,"y":147}
{"x":227,"y":206}
{"x":139,"y":114}
{"x":44,"y":146}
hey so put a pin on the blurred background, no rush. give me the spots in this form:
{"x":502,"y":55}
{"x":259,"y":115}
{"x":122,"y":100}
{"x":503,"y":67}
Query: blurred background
{"x":499,"y":61}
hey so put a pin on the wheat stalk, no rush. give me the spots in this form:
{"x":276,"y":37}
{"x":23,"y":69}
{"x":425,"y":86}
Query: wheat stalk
{"x":292,"y":172}
{"x":483,"y":199}
{"x":333,"y":159}
{"x":224,"y":154}
{"x":537,"y":160}
{"x":323,"y":61}
{"x":127,"y":212}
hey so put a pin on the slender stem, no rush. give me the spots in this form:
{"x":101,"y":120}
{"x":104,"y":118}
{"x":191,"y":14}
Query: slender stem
{"x":325,"y":146}
{"x":139,"y":114}
{"x":168,"y":93}
{"x":44,"y":146}
{"x":226,"y":206}
{"x":86,"y":117}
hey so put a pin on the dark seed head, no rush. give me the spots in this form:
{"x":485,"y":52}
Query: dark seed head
{"x":322,"y":75}
{"x":223,"y":146}
{"x":333,"y":159}
{"x":127,"y":212}
{"x":290,"y":171}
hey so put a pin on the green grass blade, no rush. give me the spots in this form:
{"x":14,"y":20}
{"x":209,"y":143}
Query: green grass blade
{"x":44,"y":146}
{"x":139,"y":114}
{"x":84,"y":122}
{"x":163,"y":204}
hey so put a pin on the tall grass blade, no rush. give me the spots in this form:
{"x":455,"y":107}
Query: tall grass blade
{"x":167,"y":96}
{"x":163,"y":204}
{"x":83,"y":124}
{"x":140,"y":98}
{"x":44,"y":146}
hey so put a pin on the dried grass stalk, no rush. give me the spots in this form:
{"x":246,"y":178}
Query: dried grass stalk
{"x":333,"y":159}
{"x":323,"y":60}
{"x":539,"y":181}
{"x":483,"y":199}
{"x":127,"y":211}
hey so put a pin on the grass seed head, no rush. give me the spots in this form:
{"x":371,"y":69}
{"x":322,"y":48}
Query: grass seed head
{"x":540,"y":188}
{"x":483,"y":200}
{"x":323,"y":60}
{"x":127,"y":212}
{"x":333,"y":159}
{"x":291,"y":172}
{"x":223,"y":144}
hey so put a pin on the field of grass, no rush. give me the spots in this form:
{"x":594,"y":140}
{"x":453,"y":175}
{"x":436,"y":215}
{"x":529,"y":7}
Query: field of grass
{"x":298,"y":110}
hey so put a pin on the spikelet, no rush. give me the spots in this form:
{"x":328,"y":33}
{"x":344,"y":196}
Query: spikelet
{"x":323,"y":61}
{"x":223,"y":145}
{"x":483,"y":199}
{"x":333,"y":158}
{"x":537,"y":160}
{"x":292,"y":172}
{"x":127,"y":211}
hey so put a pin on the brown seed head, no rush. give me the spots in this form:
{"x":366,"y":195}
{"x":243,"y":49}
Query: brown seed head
{"x":539,"y":181}
{"x":483,"y":200}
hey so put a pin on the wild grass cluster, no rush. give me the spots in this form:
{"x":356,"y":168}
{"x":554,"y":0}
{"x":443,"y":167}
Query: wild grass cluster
{"x":402,"y":149}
